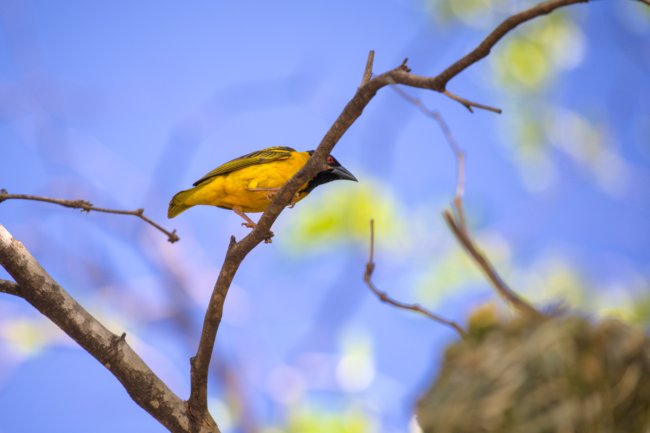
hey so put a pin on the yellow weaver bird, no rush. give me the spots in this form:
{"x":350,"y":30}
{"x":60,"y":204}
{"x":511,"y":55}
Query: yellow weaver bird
{"x":248,"y":183}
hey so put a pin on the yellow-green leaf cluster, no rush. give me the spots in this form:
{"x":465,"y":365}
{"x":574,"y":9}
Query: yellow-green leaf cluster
{"x":342,"y":213}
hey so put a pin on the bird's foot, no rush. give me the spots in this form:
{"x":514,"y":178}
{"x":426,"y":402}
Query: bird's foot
{"x":249,"y":223}
{"x":252,"y":225}
{"x":271,"y":192}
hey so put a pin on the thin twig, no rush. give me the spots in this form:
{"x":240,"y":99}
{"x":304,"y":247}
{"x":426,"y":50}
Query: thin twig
{"x":446,"y":131}
{"x":367,"y":278}
{"x":435,"y":115}
{"x":87,"y":206}
{"x":459,"y":228}
{"x":458,"y":223}
{"x":367,"y":73}
{"x":469,"y":104}
{"x":200,"y":363}
{"x":484,"y":264}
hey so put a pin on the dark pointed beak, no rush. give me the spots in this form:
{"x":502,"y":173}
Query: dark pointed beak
{"x":342,"y":173}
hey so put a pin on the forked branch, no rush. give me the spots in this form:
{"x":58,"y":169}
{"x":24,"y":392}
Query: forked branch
{"x":38,"y":288}
{"x":500,"y":286}
{"x":383,"y":296}
{"x":456,"y":220}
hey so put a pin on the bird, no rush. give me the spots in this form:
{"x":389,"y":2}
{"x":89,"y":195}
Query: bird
{"x":249,"y":183}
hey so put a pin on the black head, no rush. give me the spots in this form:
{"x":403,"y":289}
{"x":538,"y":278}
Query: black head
{"x":334,"y":171}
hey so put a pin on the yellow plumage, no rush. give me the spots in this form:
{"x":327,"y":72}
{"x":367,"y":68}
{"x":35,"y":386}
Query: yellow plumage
{"x":238,"y":188}
{"x":248,"y":183}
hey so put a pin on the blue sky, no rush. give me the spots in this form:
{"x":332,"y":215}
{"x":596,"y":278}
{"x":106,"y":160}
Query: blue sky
{"x":126,"y":103}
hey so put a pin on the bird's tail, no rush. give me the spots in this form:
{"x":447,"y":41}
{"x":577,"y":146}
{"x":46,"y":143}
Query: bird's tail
{"x":177,"y":203}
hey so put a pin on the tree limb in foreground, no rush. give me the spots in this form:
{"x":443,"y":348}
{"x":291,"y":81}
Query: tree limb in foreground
{"x":38,"y":288}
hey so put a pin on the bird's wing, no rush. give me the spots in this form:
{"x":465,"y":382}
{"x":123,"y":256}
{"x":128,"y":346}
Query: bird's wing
{"x":263,"y":156}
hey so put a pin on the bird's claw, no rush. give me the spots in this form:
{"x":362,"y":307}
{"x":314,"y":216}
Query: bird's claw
{"x":251,"y":226}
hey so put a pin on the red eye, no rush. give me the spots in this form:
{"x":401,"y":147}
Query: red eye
{"x":330,"y":160}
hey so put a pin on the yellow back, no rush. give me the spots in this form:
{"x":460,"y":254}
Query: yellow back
{"x":247,"y":182}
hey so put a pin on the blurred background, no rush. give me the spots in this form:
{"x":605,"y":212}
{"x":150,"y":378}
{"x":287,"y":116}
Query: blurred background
{"x":125,"y":103}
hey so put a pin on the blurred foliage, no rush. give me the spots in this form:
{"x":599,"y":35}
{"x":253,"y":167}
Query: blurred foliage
{"x":27,"y":336}
{"x":551,"y":280}
{"x":342,"y":214}
{"x":223,"y":412}
{"x":533,"y":55}
{"x":475,"y":13}
{"x":563,"y":374}
{"x":525,"y":65}
{"x":639,"y":312}
{"x":309,"y":420}
{"x":539,"y":130}
{"x":314,"y":422}
{"x":588,"y":144}
{"x":554,"y":281}
{"x":356,"y":369}
{"x":454,"y":271}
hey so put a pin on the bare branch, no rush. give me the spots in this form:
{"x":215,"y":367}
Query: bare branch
{"x":367,"y":278}
{"x":457,"y":223}
{"x":458,"y":226}
{"x":10,"y":288}
{"x":486,"y":45}
{"x":484,"y":264}
{"x":39,"y":289}
{"x":86,"y":206}
{"x":451,"y":141}
{"x":200,"y":363}
{"x":367,"y":73}
{"x":439,"y":82}
{"x":469,"y":104}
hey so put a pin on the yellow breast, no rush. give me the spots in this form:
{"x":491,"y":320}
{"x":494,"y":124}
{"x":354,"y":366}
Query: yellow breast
{"x":250,"y":188}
